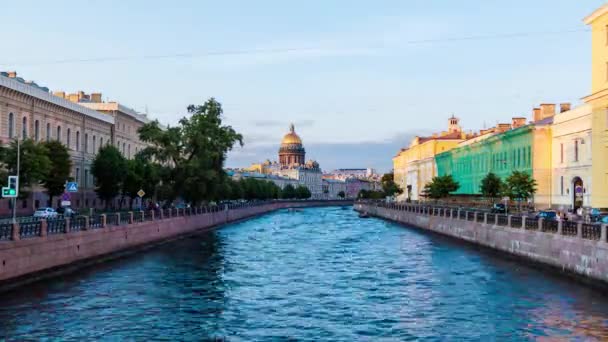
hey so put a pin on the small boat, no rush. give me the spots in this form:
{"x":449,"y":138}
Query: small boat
{"x":363,"y":215}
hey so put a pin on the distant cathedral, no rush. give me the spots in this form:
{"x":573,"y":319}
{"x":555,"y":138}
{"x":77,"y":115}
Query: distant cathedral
{"x":291,"y":152}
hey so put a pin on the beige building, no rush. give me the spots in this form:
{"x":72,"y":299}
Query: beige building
{"x":82,"y":122}
{"x":571,"y":158}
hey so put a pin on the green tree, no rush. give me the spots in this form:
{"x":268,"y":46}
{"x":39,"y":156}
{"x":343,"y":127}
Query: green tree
{"x":491,"y":187}
{"x":302,"y":192}
{"x":108,"y":168}
{"x":388,"y":185}
{"x":59,"y":171}
{"x":196,"y":149}
{"x":341,"y":194}
{"x":134,"y":179}
{"x":440,"y":187}
{"x":288,"y":192}
{"x":34,"y":167}
{"x":520,"y":187}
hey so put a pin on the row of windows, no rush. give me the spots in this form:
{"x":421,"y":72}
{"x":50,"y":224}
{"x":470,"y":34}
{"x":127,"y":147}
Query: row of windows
{"x":513,"y":159}
{"x":576,"y":152}
{"x":126,"y":149}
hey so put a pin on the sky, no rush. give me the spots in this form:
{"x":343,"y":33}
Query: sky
{"x":359,"y":79}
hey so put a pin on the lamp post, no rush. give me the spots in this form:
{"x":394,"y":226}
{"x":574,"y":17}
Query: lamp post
{"x":18,"y":167}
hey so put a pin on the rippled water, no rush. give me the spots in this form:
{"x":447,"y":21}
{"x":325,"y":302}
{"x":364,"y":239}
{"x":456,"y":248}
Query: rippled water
{"x":317,"y":274}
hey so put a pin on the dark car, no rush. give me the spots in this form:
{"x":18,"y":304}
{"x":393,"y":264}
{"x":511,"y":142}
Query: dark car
{"x":546,"y":215}
{"x":498,"y":208}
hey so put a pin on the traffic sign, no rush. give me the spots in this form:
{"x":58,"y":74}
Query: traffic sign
{"x":141,"y":193}
{"x":72,"y":187}
{"x":12,"y":190}
{"x":66,"y":203}
{"x":66,"y":196}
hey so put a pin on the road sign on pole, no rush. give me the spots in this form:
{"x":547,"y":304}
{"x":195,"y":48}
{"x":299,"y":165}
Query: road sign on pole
{"x":141,"y":193}
{"x":72,"y":187}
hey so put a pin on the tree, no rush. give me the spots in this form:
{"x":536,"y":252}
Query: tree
{"x":134,"y":179}
{"x":388,"y":185}
{"x":288,"y":192}
{"x":341,"y":194}
{"x":302,"y":192}
{"x":59,"y":171}
{"x":196,"y":149}
{"x":440,"y":187}
{"x":520,"y":186}
{"x":34,"y":163}
{"x":109,"y":167}
{"x":491,"y":187}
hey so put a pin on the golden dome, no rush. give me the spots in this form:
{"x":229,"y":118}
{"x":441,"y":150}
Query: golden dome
{"x":291,"y":138}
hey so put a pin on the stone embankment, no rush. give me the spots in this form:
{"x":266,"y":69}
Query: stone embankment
{"x":38,"y":249}
{"x":577,"y":248}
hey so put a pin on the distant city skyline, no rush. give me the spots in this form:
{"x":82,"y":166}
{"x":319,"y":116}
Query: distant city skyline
{"x":332,"y":69}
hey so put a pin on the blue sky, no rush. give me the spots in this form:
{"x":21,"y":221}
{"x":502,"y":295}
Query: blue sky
{"x":357,"y":82}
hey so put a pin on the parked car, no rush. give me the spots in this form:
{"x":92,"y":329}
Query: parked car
{"x":547,"y":215}
{"x":596,"y":215}
{"x":45,"y":213}
{"x":498,"y":208}
{"x":602,"y":219}
{"x":66,"y":211}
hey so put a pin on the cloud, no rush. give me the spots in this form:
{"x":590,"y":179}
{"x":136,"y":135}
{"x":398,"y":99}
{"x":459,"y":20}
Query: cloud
{"x":281,"y":123}
{"x":375,"y":154}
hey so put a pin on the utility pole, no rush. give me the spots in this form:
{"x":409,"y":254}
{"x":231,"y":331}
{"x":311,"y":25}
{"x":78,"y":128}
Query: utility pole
{"x":15,"y":198}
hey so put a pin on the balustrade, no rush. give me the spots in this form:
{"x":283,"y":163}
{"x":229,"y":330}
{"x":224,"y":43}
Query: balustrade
{"x":570,"y":228}
{"x":591,"y":231}
{"x":531,"y":223}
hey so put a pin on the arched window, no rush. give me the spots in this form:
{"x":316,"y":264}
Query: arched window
{"x":48,"y":132}
{"x":37,"y":130}
{"x":59,"y":133}
{"x":129,"y":151}
{"x":68,"y":138}
{"x":77,"y":141}
{"x":94,"y":144}
{"x":100,"y":143}
{"x":11,"y":125}
{"x":124,"y":145}
{"x":24,"y":128}
{"x":86,"y":143}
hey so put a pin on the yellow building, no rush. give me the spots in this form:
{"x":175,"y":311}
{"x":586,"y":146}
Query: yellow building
{"x":415,"y":166}
{"x":598,"y":100}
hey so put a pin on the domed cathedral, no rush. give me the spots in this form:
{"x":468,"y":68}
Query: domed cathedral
{"x":291,"y":152}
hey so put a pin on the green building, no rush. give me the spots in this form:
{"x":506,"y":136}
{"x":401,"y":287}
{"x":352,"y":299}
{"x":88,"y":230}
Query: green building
{"x":500,"y":153}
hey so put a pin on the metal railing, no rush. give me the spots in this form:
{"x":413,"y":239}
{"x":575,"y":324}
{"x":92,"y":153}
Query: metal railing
{"x":531,"y":223}
{"x":516,"y":221}
{"x":550,"y":226}
{"x":6,"y":231}
{"x":29,"y":229}
{"x":591,"y":231}
{"x":55,"y":226}
{"x":78,"y":223}
{"x":569,"y":228}
{"x":95,"y":222}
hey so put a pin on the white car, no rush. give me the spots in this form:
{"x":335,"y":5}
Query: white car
{"x":45,"y":213}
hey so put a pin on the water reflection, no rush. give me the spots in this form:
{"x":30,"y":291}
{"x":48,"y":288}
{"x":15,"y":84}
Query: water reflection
{"x":317,"y":274}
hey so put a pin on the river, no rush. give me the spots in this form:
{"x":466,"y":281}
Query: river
{"x":315,"y":274}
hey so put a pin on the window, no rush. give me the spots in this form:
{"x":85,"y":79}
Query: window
{"x":36,"y":204}
{"x":37,"y":130}
{"x":129,"y":151}
{"x":100,"y":143}
{"x":77,"y":141}
{"x":86,"y":178}
{"x":124,"y":146}
{"x":59,"y":133}
{"x":575,"y":150}
{"x":48,"y":132}
{"x":94,"y":143}
{"x":86,"y":143}
{"x":68,"y":139}
{"x":77,"y":174}
{"x":24,"y":128}
{"x":561,"y":185}
{"x":561,"y":152}
{"x":11,"y":125}
{"x":24,"y":204}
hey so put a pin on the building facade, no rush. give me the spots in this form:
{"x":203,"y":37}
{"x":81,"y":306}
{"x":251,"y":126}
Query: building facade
{"x":28,"y":110}
{"x":415,"y":166}
{"x":598,"y":100}
{"x":571,"y":159}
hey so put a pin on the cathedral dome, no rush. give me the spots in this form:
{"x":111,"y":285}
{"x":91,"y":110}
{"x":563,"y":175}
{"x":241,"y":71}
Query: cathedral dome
{"x":291,"y":138}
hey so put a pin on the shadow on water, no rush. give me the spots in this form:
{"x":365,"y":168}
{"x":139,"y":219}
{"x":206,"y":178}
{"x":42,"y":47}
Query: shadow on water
{"x":164,"y":283}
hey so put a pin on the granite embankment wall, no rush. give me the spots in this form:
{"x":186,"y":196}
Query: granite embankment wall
{"x":27,"y":259}
{"x":576,"y":248}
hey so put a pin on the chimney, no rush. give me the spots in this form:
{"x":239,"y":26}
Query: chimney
{"x":12,"y":74}
{"x":73,"y":98}
{"x":96,"y":97}
{"x":503,"y":127}
{"x":59,"y":94}
{"x":518,"y":122}
{"x":536,"y":114}
{"x":564,"y":107}
{"x":547,"y":110}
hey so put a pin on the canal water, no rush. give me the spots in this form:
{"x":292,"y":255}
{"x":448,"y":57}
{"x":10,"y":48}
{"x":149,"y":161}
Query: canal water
{"x":316,"y":274}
